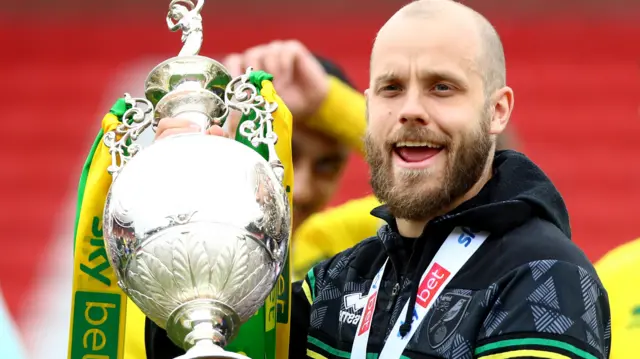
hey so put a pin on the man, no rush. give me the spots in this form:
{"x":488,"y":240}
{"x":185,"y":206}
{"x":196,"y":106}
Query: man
{"x":620,"y":270}
{"x":475,"y":259}
{"x":437,"y":99}
{"x":329,"y":120}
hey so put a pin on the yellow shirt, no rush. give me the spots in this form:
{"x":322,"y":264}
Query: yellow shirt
{"x":325,"y":234}
{"x":619,"y":271}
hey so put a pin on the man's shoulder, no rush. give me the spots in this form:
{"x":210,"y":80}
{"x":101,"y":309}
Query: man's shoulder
{"x":548,"y":302}
{"x":362,"y":258}
{"x":541,"y":277}
{"x":542,"y":238}
{"x":535,"y":241}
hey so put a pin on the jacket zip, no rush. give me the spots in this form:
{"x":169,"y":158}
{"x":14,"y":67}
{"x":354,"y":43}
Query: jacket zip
{"x":396,"y":287}
{"x":394,"y":297}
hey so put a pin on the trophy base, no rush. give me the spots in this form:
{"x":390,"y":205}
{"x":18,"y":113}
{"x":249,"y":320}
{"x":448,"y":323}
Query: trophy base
{"x":203,"y":327}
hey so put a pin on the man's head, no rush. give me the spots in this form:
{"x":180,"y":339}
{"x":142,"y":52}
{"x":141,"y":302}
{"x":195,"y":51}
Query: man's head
{"x":437,"y":100}
{"x":318,"y":162}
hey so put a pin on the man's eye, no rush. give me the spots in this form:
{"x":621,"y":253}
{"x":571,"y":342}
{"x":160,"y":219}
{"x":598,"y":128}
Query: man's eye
{"x":327,"y":168}
{"x":442,"y":88}
{"x":390,"y":88}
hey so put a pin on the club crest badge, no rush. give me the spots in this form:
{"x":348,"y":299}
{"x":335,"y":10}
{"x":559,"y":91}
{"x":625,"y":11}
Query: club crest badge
{"x":445,"y":317}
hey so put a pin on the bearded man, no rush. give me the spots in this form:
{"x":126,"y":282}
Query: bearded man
{"x":475,"y":259}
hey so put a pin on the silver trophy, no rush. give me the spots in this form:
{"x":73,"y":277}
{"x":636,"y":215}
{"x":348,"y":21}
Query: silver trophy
{"x":196,"y":227}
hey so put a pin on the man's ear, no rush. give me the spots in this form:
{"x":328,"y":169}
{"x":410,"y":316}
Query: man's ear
{"x":366,"y":105}
{"x":502,"y":106}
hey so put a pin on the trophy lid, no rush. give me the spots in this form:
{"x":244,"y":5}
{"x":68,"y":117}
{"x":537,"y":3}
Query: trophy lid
{"x":187,"y":67}
{"x":201,"y":71}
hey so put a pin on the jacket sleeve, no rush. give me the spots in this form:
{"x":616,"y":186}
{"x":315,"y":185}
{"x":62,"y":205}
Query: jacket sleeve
{"x":546,"y":309}
{"x":300,"y":308}
{"x":304,"y":294}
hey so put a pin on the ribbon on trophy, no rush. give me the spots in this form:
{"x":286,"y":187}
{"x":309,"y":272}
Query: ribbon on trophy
{"x":98,"y":304}
{"x":271,"y":323}
{"x":99,"y":314}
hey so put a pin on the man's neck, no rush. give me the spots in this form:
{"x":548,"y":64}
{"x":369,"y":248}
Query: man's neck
{"x":413,"y":229}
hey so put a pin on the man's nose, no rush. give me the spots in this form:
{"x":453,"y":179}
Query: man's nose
{"x":413,"y":108}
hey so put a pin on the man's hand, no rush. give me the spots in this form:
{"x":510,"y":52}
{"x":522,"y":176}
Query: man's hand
{"x":298,"y":77}
{"x":174,"y":126}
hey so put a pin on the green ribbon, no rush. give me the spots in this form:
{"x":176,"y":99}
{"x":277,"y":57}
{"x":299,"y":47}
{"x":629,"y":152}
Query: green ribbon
{"x":257,"y":337}
{"x":118,"y":109}
{"x":255,"y":78}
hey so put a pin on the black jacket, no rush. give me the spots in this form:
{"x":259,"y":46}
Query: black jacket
{"x":527,"y":290}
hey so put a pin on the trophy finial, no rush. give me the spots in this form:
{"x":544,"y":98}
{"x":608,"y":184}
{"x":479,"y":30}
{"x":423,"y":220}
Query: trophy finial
{"x":185,"y":15}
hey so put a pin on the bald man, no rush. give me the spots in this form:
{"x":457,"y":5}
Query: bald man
{"x":475,"y":259}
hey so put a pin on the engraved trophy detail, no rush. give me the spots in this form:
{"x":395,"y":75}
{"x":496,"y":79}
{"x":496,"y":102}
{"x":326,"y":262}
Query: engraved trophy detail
{"x":196,"y":227}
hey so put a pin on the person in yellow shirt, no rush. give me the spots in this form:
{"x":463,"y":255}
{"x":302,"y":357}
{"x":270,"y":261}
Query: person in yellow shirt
{"x":619,"y":271}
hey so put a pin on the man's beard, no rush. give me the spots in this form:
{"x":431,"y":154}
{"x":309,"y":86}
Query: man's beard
{"x":403,"y":194}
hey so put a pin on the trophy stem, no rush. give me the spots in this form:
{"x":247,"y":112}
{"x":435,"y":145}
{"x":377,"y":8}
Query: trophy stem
{"x":207,"y":344}
{"x":203,"y":327}
{"x":197,"y":118}
{"x":204,"y":334}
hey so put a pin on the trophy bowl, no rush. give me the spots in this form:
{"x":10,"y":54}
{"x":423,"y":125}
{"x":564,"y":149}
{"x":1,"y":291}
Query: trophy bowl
{"x":196,"y":228}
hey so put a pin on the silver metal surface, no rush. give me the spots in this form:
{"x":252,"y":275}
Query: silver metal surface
{"x":120,"y":141}
{"x":196,"y":227}
{"x":190,"y":87}
{"x":184,"y":15}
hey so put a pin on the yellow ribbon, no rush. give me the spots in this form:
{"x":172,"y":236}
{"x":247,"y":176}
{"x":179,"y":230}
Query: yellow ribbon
{"x":98,"y":304}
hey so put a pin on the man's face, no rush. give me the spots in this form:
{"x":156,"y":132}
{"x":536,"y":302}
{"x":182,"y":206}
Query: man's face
{"x":318,"y":162}
{"x":428,"y":137}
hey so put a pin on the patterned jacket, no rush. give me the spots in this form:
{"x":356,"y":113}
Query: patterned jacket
{"x":528,"y":292}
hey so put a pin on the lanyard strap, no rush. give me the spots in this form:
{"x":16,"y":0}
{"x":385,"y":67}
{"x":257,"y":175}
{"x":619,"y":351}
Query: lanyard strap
{"x":456,"y":250}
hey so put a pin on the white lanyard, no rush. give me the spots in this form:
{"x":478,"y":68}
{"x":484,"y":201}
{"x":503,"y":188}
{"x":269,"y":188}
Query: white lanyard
{"x":454,"y":253}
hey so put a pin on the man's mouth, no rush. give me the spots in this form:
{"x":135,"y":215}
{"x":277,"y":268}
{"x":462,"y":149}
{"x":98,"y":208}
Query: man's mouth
{"x":416,"y":152}
{"x":410,"y":151}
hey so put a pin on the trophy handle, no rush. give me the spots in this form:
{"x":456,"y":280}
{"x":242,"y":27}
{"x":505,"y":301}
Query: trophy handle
{"x":241,"y":95}
{"x":120,"y":141}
